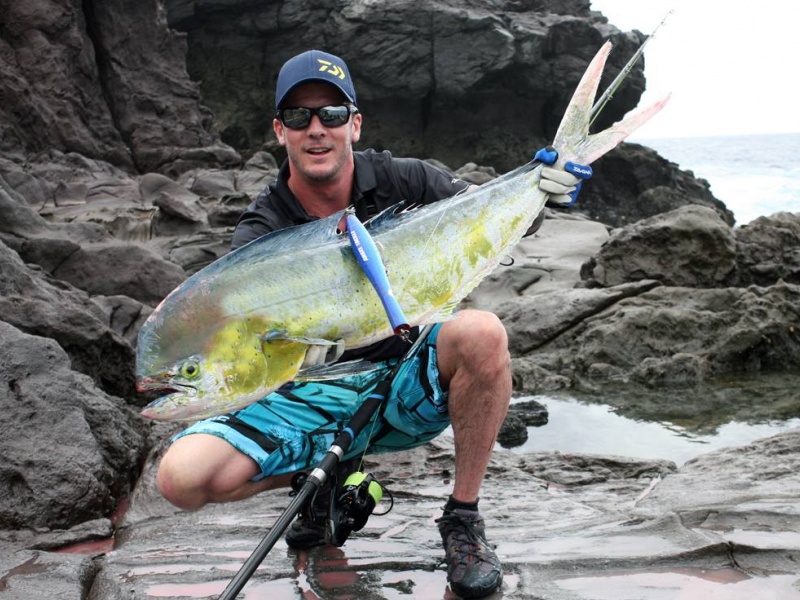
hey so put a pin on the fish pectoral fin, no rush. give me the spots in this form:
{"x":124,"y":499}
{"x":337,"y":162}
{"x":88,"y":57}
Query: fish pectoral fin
{"x":319,"y":352}
{"x":322,"y":354}
{"x":335,"y":371}
{"x":282,"y":334}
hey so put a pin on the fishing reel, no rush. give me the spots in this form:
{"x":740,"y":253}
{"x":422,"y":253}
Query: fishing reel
{"x":351,"y":506}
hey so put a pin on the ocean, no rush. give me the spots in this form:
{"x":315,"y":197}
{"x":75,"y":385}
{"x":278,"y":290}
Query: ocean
{"x":754,"y":175}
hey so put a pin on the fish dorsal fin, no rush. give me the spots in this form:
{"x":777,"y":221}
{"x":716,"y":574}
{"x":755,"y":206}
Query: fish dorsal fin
{"x":390,"y":217}
{"x":308,"y":235}
{"x":284,"y":244}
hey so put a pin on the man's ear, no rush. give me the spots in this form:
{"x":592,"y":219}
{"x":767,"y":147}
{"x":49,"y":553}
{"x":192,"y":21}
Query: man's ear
{"x":356,"y":127}
{"x":277,"y":127}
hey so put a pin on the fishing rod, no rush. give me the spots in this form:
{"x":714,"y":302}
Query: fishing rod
{"x":609,"y":93}
{"x":368,"y":257}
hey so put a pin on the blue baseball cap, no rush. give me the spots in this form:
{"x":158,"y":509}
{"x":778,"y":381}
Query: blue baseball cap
{"x":314,"y":65}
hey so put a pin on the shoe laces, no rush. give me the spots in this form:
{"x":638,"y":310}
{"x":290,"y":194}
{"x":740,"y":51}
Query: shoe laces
{"x":463,"y":534}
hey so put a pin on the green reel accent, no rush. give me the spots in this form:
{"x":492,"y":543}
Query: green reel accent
{"x":374,"y":489}
{"x":352,"y":505}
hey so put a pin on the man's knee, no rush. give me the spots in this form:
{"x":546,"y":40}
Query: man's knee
{"x":489,"y":333}
{"x":474,"y":340}
{"x":199,"y":468}
{"x":180,"y":483}
{"x":489,"y":345}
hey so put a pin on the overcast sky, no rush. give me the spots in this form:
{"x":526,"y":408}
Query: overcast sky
{"x":732,"y":66}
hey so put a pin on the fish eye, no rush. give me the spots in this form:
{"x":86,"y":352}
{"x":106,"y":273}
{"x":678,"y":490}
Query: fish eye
{"x":190,"y":369}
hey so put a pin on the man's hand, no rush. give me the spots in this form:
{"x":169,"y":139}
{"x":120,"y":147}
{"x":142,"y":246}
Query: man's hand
{"x":562,"y":185}
{"x":318,"y":355}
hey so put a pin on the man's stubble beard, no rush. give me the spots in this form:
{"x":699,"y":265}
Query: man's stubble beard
{"x":326,"y":176}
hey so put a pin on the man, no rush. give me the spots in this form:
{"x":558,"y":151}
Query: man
{"x":459,"y":375}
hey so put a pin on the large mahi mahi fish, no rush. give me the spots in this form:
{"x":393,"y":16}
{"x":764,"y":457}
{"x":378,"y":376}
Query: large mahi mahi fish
{"x":240,"y":328}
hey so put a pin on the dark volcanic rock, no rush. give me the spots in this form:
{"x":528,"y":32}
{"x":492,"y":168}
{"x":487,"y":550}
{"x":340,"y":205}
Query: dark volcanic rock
{"x":126,"y":269}
{"x":29,"y":574}
{"x":21,"y":222}
{"x":482,"y":81}
{"x":104,"y":79}
{"x":52,"y":92}
{"x":513,"y":432}
{"x":85,"y":255}
{"x":689,"y":246}
{"x":672,"y":335}
{"x":704,"y":495}
{"x":768,"y":250}
{"x":70,"y":453}
{"x":521,"y":415}
{"x":54,"y":309}
{"x":533,"y":322}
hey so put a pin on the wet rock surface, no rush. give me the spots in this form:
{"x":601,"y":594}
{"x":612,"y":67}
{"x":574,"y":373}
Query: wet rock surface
{"x":565,"y":527}
{"x":115,"y":185}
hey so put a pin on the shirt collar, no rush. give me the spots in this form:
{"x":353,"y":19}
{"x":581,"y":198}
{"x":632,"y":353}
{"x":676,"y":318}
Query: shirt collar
{"x":365,"y":180}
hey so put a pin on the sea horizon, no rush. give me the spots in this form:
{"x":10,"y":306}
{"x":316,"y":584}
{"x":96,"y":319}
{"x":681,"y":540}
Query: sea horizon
{"x":643,"y":140}
{"x":753,"y":174}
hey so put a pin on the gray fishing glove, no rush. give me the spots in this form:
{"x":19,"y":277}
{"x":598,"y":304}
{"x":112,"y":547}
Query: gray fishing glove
{"x":318,"y":355}
{"x":562,"y":185}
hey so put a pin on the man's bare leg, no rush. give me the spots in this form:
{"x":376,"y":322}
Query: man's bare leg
{"x":474,"y":365}
{"x":201,"y":468}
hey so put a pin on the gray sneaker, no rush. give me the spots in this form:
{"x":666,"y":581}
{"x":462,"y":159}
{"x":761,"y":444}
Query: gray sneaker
{"x":473,"y":569}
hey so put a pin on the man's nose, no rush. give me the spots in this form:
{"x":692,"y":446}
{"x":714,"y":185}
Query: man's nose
{"x":315,"y":126}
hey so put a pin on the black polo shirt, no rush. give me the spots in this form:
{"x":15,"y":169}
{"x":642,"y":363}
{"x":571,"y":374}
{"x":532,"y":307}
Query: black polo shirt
{"x":381,"y":181}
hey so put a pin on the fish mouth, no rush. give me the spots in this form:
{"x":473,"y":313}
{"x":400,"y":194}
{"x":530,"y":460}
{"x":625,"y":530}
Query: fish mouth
{"x":160,"y":393}
{"x":173,"y":403}
{"x":148,"y":384}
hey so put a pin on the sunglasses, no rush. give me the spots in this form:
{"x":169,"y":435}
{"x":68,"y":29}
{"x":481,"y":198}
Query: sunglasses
{"x":330,"y":116}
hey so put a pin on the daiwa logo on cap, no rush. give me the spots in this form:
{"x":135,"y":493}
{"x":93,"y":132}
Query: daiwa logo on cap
{"x":331,"y":68}
{"x":313,"y":65}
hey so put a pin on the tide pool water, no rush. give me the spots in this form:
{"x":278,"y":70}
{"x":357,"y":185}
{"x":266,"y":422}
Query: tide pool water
{"x":576,"y":427}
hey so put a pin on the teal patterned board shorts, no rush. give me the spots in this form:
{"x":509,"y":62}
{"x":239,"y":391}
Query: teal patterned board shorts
{"x":292,"y":428}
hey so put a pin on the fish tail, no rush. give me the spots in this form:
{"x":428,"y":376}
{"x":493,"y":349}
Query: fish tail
{"x":573,"y":141}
